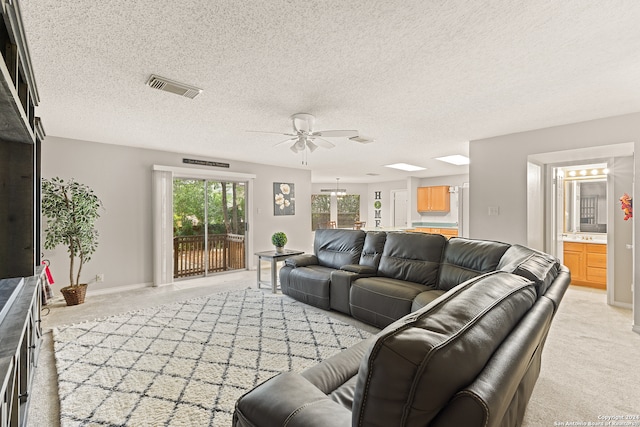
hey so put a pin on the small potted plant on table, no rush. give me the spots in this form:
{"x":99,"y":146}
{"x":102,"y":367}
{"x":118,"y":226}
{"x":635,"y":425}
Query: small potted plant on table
{"x":71,"y":210}
{"x":279,"y":239}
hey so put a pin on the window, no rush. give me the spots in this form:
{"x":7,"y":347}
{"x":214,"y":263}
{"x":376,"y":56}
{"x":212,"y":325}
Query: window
{"x":320,"y":211}
{"x":348,"y":210}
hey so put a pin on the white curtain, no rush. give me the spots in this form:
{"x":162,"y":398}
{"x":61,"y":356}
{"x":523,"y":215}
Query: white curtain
{"x":162,"y":227}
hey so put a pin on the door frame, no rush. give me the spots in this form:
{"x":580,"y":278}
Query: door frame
{"x":551,"y":160}
{"x":162,"y":206}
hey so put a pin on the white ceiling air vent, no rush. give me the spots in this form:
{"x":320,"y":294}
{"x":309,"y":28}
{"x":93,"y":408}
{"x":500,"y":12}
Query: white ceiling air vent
{"x":167,"y":85}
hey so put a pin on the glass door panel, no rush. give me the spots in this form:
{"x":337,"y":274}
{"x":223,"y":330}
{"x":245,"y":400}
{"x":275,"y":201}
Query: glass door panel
{"x":226,"y":224}
{"x":208,"y":227}
{"x":189,"y":228}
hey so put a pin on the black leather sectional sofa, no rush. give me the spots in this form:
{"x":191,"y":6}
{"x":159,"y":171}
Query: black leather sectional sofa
{"x":465,"y":322}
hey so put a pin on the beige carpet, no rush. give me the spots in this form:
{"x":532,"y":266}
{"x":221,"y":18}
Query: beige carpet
{"x":589,"y":364}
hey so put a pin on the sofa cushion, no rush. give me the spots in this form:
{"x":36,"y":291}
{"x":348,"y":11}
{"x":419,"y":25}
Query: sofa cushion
{"x":288,"y":399}
{"x":420,"y":361}
{"x":309,"y":285}
{"x":424,"y":298}
{"x":413,"y":257}
{"x":466,"y":258}
{"x":372,"y":249}
{"x":537,"y":266}
{"x":382,"y":300}
{"x":335,"y":247}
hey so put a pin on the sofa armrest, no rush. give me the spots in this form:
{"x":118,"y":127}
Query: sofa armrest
{"x":360,"y":269}
{"x":301,"y":260}
{"x":289,"y":399}
{"x":341,"y":281}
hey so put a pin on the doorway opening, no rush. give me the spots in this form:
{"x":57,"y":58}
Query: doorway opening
{"x":545,"y":212}
{"x":582,"y":220}
{"x":400,"y":202}
{"x":209,"y":225}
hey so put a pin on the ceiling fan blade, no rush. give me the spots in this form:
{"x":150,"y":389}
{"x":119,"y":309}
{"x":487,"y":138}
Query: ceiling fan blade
{"x":362,"y":139}
{"x":282,"y":142}
{"x":336,"y":133}
{"x":324,"y":143}
{"x":277,"y":133}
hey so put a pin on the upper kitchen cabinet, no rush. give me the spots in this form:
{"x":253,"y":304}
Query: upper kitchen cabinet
{"x":18,"y":93}
{"x":433,"y":199}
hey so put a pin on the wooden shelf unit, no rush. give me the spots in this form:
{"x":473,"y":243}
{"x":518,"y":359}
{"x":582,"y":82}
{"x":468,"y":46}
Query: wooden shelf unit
{"x":21,"y":334}
{"x":21,"y":135}
{"x":18,"y":91}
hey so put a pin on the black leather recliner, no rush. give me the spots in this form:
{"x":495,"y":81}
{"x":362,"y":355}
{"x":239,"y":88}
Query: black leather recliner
{"x":469,"y":358}
{"x":307,"y":277}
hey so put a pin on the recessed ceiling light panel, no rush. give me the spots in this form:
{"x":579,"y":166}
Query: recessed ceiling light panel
{"x":456,"y":159}
{"x":405,"y":167}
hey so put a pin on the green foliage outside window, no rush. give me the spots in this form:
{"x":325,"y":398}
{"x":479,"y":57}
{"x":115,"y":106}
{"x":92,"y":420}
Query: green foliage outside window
{"x":348,"y":210}
{"x":226,"y":209}
{"x":320,"y":210}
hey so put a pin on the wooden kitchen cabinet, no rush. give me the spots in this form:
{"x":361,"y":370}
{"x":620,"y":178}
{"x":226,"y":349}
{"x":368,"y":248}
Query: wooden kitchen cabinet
{"x":587,"y":263}
{"x":433,"y":199}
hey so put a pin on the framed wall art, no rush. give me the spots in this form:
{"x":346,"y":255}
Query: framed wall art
{"x":284,"y":199}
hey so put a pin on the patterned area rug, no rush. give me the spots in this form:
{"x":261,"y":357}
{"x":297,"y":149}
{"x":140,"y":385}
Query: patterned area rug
{"x":186,"y":363}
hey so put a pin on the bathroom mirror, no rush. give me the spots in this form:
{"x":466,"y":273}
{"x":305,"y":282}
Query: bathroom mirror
{"x":585,"y":206}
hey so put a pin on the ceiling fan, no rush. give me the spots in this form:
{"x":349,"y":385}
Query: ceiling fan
{"x":304,"y":136}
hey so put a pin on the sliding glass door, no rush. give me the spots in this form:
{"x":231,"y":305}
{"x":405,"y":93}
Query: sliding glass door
{"x":208,"y":227}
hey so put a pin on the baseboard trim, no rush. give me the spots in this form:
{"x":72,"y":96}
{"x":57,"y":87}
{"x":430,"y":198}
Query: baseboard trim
{"x":123,"y":288}
{"x":622,"y":305}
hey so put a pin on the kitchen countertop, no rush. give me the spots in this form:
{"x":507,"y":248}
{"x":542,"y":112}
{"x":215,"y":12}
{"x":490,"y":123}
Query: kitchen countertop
{"x":435,"y":224}
{"x":598,"y":238}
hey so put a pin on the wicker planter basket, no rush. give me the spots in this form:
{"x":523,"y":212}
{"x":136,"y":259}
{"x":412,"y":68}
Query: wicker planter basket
{"x":74,"y":295}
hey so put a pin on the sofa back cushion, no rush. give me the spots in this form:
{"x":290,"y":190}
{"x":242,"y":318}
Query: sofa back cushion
{"x":335,"y":248}
{"x":412,"y":257}
{"x":419,"y":362}
{"x":537,"y":266}
{"x":373,"y":247}
{"x":468,"y":258}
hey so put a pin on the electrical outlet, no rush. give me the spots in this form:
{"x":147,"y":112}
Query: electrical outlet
{"x":100,"y":277}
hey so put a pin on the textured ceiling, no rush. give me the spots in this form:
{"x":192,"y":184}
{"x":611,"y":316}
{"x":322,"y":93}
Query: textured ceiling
{"x":421,"y":77}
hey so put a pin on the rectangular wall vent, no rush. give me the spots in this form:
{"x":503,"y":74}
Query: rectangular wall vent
{"x":168,"y":85}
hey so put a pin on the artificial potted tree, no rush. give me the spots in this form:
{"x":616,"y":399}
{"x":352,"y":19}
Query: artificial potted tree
{"x":71,"y":210}
{"x":279,"y":239}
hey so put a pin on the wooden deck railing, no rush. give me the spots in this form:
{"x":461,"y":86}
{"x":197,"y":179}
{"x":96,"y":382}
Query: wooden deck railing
{"x":226,"y":252}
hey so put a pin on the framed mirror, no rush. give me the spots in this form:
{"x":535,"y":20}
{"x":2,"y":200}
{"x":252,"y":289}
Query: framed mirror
{"x":585,"y":206}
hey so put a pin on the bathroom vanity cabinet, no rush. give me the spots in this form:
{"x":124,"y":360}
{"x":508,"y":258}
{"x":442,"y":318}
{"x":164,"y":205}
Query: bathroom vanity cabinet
{"x":587,"y":263}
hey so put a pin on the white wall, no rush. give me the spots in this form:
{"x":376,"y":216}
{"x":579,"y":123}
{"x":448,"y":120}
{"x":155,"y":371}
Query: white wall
{"x":498,"y":176}
{"x":121,"y":177}
{"x":384,"y":189}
